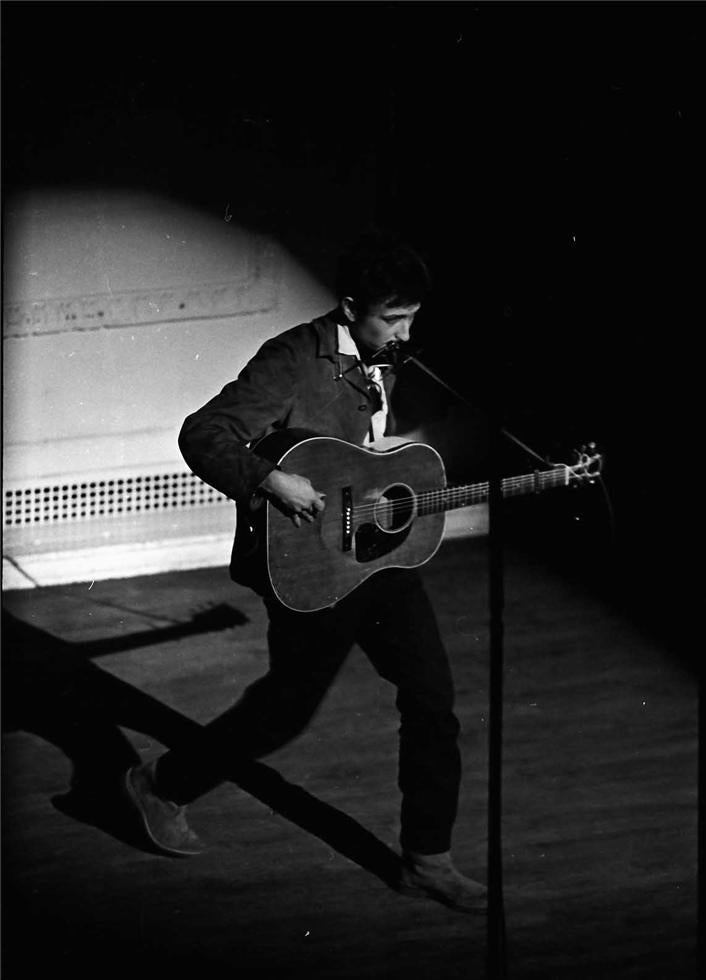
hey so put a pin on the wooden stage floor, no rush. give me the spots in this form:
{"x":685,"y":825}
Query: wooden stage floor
{"x":600,"y":792}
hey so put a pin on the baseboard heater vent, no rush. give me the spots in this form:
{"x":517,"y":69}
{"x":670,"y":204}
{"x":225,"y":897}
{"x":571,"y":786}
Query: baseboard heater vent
{"x":119,"y":497}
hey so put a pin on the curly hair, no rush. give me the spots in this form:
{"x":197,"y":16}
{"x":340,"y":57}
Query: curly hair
{"x":382,"y":267}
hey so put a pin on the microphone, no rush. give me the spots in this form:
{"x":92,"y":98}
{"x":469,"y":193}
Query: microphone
{"x":393,"y":354}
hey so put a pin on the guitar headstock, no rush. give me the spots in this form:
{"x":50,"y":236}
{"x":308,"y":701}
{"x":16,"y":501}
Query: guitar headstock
{"x":587,"y":465}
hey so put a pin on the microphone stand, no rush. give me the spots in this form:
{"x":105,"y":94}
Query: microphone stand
{"x":496,"y":959}
{"x":496,"y":954}
{"x":413,"y":359}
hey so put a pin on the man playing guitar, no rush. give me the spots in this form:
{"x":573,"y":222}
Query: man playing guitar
{"x":323,"y":378}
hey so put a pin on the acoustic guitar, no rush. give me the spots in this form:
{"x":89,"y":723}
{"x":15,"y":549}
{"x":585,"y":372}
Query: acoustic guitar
{"x":383,"y":510}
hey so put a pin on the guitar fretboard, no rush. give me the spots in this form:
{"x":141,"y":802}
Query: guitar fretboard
{"x":451,"y":498}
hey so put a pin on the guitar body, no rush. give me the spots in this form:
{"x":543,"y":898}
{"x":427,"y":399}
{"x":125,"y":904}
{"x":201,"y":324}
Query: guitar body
{"x":383,"y":510}
{"x":369,"y":522}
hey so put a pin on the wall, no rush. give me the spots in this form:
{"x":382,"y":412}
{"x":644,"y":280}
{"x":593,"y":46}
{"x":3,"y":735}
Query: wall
{"x":122,"y":313}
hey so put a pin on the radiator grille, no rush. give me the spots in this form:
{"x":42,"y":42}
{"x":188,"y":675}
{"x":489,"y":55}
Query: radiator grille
{"x":126,"y":495}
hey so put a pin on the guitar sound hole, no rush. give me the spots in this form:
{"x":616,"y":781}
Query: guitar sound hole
{"x":394,"y":509}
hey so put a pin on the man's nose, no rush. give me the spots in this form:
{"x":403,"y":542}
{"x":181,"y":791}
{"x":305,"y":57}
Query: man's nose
{"x":402,"y":332}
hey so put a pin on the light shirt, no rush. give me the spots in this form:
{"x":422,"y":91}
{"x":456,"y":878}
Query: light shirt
{"x":378,"y":420}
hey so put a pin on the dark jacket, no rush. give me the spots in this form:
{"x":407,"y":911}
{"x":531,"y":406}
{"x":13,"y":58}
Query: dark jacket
{"x":296,"y":380}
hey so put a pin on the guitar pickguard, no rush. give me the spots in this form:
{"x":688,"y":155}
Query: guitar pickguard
{"x":372,"y":543}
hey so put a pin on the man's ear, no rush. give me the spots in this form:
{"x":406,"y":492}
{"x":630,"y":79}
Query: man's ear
{"x":349,"y":310}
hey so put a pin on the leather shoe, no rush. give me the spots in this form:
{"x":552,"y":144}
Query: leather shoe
{"x":435,"y":876}
{"x":163,"y":820}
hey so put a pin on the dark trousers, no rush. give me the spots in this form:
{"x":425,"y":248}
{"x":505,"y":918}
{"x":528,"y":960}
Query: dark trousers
{"x":392,"y":620}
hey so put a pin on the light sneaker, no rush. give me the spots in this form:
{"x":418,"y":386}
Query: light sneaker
{"x":163,"y":820}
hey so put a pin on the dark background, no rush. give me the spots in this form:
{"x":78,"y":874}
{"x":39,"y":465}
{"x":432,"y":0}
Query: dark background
{"x":546,"y":159}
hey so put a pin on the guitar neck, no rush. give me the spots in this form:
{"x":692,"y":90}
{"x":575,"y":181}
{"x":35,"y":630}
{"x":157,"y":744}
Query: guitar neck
{"x":452,"y":498}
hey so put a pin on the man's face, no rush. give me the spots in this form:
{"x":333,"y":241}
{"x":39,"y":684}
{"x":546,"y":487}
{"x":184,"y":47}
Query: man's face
{"x":380,"y":324}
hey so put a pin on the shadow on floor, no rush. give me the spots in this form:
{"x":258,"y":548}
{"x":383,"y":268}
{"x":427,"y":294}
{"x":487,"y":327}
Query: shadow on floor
{"x":53,"y":689}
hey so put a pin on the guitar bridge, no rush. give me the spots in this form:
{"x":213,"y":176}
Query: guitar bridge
{"x":347,"y":518}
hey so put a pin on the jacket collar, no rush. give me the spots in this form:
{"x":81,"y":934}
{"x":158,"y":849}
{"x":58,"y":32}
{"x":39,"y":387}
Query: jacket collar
{"x":326,"y":329}
{"x":348,"y":366}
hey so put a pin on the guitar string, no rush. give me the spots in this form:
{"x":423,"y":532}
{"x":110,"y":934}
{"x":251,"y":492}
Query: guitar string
{"x":464,"y":495}
{"x":460,"y":495}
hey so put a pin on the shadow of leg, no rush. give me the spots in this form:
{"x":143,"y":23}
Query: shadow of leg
{"x":324,"y":821}
{"x":74,"y":705}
